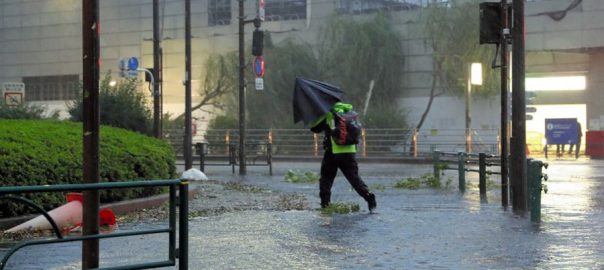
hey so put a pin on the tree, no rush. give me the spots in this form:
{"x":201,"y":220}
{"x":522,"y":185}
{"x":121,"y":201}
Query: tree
{"x":352,"y":54}
{"x":122,"y":105}
{"x":219,"y":84}
{"x":452,"y":33}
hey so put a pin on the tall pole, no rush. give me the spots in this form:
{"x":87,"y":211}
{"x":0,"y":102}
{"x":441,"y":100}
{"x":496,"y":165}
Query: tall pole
{"x":518,"y":140}
{"x":504,"y":105}
{"x":468,"y":116}
{"x":157,"y":132}
{"x":188,"y":137}
{"x":90,"y":111}
{"x":242,"y":168}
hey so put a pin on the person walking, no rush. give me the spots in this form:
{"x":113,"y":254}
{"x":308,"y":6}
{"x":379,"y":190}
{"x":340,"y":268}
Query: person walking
{"x":579,"y":136}
{"x":341,"y":157}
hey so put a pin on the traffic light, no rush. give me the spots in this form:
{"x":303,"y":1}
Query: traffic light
{"x":490,"y":23}
{"x":257,"y":42}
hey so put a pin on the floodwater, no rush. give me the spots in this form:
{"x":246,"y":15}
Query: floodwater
{"x":412,"y":229}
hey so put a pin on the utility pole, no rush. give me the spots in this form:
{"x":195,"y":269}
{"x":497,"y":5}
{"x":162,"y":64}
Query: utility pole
{"x":91,"y":127}
{"x":188,"y":136}
{"x":242,"y":168}
{"x":157,"y":125}
{"x":242,"y":82}
{"x":468,"y":116}
{"x":504,"y":103}
{"x":518,"y":140}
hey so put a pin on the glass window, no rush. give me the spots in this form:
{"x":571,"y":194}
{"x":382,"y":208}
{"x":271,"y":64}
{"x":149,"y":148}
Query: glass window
{"x":219,"y":12}
{"x":61,"y":87}
{"x":283,"y":10}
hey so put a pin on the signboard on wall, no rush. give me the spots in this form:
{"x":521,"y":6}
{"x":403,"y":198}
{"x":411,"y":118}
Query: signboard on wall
{"x":13,"y":93}
{"x":562,"y":131}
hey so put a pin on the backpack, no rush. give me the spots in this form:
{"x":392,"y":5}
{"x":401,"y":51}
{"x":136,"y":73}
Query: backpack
{"x":346,"y":129}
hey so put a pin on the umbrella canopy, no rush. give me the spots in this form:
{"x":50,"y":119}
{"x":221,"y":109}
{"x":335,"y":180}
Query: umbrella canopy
{"x":313,"y":99}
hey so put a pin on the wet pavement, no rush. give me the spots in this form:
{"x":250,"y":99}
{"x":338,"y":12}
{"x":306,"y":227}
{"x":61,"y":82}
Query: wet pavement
{"x":412,"y":229}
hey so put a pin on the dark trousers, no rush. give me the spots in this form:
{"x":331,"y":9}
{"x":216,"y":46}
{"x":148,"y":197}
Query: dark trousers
{"x":347,"y":163}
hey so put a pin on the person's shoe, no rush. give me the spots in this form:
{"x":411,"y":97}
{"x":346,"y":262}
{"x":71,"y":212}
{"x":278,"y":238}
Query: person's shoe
{"x":371,"y":203}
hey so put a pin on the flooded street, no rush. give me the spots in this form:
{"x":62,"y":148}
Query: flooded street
{"x":412,"y":229}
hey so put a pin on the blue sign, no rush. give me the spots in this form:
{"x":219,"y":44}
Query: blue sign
{"x":562,"y":131}
{"x":132,"y":63}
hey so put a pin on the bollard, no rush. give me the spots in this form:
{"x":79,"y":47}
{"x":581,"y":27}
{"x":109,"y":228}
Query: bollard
{"x":436,"y":160}
{"x":534,"y":176}
{"x":461,"y":171}
{"x":202,"y":150}
{"x":482,"y":171}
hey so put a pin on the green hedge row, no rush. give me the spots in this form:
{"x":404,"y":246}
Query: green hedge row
{"x":44,"y":152}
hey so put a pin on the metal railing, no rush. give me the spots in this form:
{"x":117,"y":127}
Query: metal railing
{"x":374,"y":142}
{"x":463,"y":160}
{"x":6,"y":193}
{"x":258,"y":154}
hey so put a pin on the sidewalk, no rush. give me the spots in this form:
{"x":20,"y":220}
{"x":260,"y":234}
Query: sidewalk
{"x":412,"y":229}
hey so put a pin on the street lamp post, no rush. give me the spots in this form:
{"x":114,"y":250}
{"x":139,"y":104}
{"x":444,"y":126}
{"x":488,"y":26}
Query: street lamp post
{"x":474,"y":78}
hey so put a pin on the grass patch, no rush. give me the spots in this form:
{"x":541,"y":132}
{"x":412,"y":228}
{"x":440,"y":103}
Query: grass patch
{"x":409,"y":183}
{"x":340,"y":208}
{"x":295,"y":176}
{"x":426,"y":180}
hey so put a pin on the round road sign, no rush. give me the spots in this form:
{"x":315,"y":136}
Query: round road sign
{"x":132,"y":63}
{"x":259,"y":66}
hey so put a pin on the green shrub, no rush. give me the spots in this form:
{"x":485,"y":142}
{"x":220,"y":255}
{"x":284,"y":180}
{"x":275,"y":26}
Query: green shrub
{"x":21,"y":112}
{"x":44,"y":152}
{"x":409,"y":183}
{"x":122,"y":106}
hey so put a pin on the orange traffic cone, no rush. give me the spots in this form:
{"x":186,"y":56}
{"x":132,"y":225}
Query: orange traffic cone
{"x":68,"y":217}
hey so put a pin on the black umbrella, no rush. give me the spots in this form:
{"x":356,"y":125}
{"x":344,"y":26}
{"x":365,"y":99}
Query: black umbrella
{"x":312,"y":99}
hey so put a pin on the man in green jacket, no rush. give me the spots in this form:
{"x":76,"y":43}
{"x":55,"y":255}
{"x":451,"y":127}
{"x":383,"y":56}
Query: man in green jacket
{"x":339,"y":156}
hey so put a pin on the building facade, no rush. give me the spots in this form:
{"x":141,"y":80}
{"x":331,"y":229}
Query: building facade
{"x":41,"y":46}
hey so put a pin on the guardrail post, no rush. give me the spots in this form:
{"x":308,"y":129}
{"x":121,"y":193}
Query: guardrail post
{"x":534,"y":176}
{"x":364,"y":141}
{"x":414,"y":142}
{"x":201,"y":149}
{"x":461,"y":171}
{"x":183,"y":228}
{"x":436,"y":160}
{"x":232,"y":156}
{"x":269,"y":157}
{"x":482,"y":170}
{"x":172,"y":222}
{"x":315,"y":138}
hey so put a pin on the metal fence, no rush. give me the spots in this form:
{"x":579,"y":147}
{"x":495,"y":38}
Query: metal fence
{"x":374,"y":142}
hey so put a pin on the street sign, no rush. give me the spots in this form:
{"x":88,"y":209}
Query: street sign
{"x":261,"y":5}
{"x":259,"y":84}
{"x":561,"y":131}
{"x":259,"y":66}
{"x":132,"y":63}
{"x":531,"y":109}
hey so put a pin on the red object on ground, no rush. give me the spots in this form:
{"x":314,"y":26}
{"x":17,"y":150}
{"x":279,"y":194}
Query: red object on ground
{"x":594,"y":143}
{"x":68,"y":217}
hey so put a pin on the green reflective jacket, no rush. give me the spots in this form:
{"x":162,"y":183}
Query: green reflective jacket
{"x":328,"y":118}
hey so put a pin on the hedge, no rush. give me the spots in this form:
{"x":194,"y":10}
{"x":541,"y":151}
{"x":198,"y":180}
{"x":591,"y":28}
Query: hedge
{"x":45,"y":152}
